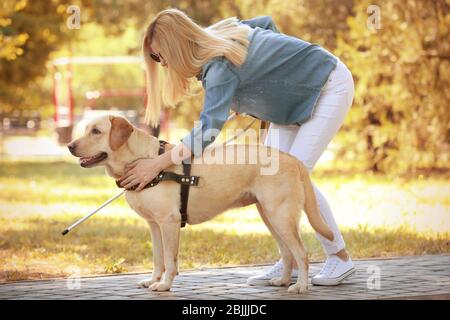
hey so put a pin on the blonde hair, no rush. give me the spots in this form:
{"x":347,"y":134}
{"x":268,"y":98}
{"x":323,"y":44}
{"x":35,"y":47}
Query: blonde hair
{"x":186,"y":47}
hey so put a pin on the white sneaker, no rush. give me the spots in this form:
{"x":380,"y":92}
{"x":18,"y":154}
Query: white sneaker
{"x":274,"y":272}
{"x":334,"y":271}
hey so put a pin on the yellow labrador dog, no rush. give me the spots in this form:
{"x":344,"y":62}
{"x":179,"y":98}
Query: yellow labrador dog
{"x":113,"y":142}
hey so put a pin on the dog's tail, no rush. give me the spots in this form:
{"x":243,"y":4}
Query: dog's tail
{"x":311,"y":208}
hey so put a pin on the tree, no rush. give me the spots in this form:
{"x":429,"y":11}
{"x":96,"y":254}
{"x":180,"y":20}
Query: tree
{"x":30,"y":31}
{"x":400,"y":120}
{"x":310,"y":20}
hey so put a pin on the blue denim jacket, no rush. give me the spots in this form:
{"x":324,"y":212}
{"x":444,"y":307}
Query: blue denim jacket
{"x":280,"y":82}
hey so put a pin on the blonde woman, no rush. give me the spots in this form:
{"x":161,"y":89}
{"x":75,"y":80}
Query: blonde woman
{"x":248,"y":66}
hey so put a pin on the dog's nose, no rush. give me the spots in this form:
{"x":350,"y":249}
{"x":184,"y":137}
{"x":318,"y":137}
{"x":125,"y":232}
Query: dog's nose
{"x":71,"y":147}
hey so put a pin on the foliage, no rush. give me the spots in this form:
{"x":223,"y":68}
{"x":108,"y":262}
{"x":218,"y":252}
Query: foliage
{"x":399,"y":121}
{"x":305,"y":19}
{"x":28,"y":34}
{"x":116,"y":267}
{"x":30,"y":31}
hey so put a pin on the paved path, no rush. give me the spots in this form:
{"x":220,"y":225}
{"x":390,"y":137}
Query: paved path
{"x":410,"y":277}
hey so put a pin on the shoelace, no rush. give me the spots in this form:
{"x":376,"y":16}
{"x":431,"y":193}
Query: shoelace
{"x":330,"y":266}
{"x":276,"y":268}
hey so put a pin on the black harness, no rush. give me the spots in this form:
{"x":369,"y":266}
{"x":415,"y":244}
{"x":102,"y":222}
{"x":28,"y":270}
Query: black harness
{"x":185,"y":180}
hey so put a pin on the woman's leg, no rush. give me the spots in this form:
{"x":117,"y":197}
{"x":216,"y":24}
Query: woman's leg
{"x":314,"y":136}
{"x":281,"y":137}
{"x":307,"y":144}
{"x":310,"y":142}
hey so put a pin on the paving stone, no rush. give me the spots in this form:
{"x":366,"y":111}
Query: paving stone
{"x":415,"y":277}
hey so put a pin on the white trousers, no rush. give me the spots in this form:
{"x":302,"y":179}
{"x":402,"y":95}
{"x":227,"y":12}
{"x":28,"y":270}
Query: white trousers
{"x":308,"y":141}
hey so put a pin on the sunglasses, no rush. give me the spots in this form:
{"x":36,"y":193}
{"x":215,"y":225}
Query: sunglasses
{"x":156,"y":57}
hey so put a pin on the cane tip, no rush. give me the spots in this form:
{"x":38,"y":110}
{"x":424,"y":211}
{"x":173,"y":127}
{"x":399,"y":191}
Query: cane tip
{"x":65,"y":232}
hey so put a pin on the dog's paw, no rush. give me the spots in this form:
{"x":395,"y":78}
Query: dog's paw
{"x":160,"y":286}
{"x":146,"y":283}
{"x":298,"y":288}
{"x":279,"y":282}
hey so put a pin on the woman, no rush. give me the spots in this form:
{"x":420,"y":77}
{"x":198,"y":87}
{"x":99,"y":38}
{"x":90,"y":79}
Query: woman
{"x":248,"y":66}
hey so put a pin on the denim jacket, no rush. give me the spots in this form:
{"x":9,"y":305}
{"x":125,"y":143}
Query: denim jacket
{"x":280,"y":81}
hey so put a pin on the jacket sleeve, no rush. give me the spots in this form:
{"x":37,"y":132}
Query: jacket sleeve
{"x":264,"y":22}
{"x":221,"y":85}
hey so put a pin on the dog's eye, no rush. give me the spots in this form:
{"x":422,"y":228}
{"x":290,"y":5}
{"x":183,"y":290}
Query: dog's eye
{"x":95,"y":131}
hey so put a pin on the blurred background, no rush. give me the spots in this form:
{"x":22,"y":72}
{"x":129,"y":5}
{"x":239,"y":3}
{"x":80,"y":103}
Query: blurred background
{"x":386,"y":174}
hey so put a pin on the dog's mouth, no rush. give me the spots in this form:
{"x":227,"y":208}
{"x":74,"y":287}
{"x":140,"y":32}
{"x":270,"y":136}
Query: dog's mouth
{"x":87,"y":162}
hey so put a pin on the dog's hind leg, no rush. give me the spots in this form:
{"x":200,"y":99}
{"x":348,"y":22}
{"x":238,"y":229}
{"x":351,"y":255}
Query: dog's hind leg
{"x":285,"y":222}
{"x":158,"y":256}
{"x":286,"y":254}
{"x":170,"y":233}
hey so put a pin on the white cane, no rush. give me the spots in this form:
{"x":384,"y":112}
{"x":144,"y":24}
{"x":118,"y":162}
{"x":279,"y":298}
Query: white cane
{"x":93,"y":212}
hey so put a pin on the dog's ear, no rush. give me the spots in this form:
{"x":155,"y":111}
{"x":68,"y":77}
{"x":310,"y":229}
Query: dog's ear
{"x":121,"y":130}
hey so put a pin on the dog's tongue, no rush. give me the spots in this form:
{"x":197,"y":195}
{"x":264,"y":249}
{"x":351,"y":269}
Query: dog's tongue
{"x":86,"y":160}
{"x":89,"y":161}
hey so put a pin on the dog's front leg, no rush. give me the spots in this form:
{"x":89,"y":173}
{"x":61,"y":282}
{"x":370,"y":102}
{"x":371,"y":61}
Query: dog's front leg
{"x":170,"y":232}
{"x":158,"y":256}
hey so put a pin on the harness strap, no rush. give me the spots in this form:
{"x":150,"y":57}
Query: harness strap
{"x":185,"y":180}
{"x":184,"y":193}
{"x":162,"y":147}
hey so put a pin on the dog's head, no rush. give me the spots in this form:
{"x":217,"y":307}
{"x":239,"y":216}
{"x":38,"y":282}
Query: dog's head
{"x":102,"y":137}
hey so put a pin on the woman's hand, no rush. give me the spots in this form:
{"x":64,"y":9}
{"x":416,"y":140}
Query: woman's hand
{"x":140,"y":172}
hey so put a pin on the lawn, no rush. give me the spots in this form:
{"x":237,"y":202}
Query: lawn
{"x":379,"y":217}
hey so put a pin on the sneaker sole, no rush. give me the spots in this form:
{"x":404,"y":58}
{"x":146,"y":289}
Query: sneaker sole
{"x":333,"y":281}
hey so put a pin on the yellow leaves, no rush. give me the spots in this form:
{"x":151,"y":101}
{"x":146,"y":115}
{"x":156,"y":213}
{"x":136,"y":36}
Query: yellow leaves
{"x":403,"y":25}
{"x":398,"y":73}
{"x":5,"y":22}
{"x":116,"y":266}
{"x":9,"y":7}
{"x":45,"y":32}
{"x":22,"y":38}
{"x":10,"y":46}
{"x":61,"y":9}
{"x":20,"y":5}
{"x":51,"y":38}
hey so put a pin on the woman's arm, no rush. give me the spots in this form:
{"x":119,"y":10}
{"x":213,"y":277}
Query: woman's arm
{"x":221,"y":85}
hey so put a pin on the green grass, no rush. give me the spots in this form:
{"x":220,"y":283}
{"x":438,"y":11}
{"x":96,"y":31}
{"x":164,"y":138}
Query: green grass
{"x":379,"y":217}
